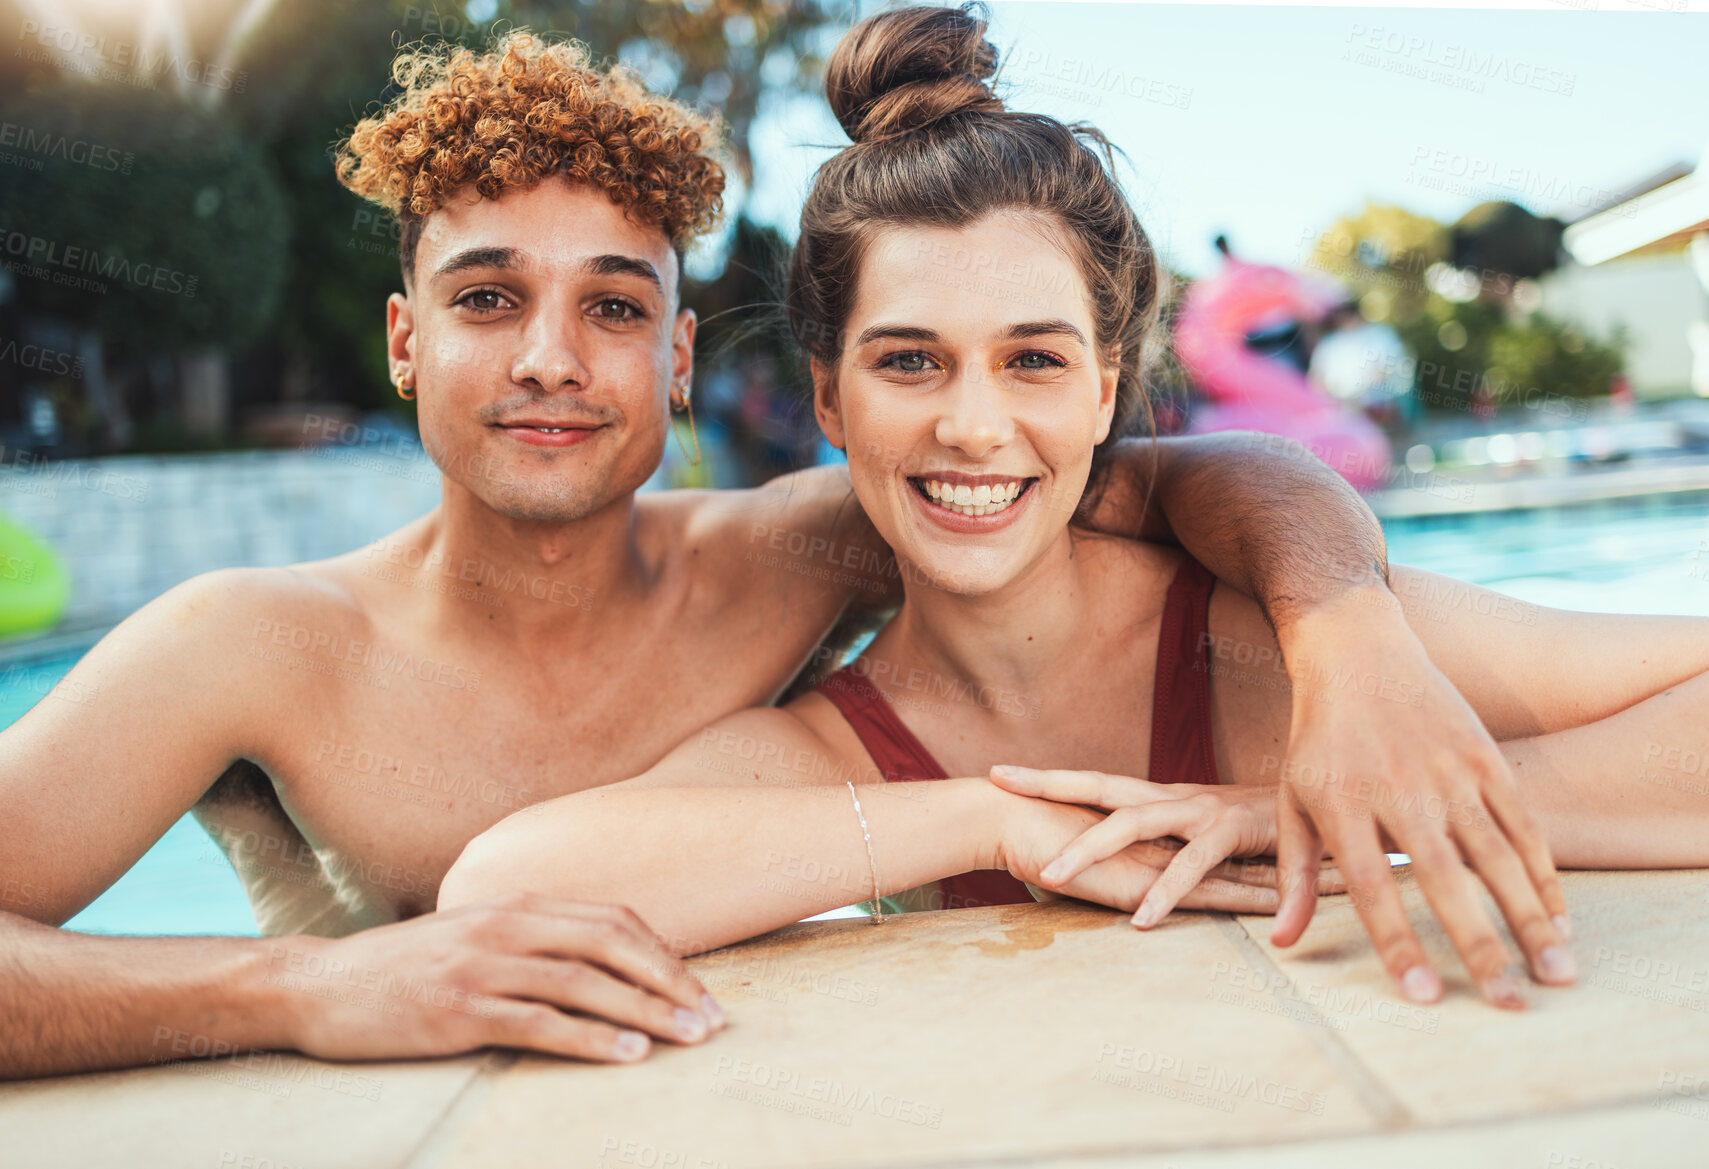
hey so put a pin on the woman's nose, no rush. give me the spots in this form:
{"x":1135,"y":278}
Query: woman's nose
{"x":974,"y":420}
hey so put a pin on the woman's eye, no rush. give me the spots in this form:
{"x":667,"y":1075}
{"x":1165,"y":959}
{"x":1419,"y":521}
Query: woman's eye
{"x":915,"y":362}
{"x":484,"y":300}
{"x":1034,"y":360}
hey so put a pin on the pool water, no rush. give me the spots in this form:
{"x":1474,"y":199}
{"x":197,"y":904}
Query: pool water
{"x":183,"y":885}
{"x":1645,"y":555}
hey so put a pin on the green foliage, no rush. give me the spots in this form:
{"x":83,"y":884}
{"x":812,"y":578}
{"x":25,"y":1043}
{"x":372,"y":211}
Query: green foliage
{"x":1382,"y":254}
{"x":171,"y":233}
{"x":1480,"y":347}
{"x":1556,"y":356}
{"x":722,"y":54}
{"x":1465,"y":348}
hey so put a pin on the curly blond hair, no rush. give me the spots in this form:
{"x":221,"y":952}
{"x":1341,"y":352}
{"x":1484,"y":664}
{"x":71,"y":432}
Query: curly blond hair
{"x":504,"y":119}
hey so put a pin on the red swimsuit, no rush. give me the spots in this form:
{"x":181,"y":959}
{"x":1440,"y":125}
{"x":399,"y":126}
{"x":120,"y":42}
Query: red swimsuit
{"x":1180,"y":723}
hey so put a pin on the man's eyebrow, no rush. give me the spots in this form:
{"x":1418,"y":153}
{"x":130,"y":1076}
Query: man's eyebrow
{"x":1054,"y":327}
{"x":487,"y":257}
{"x":615,"y":265}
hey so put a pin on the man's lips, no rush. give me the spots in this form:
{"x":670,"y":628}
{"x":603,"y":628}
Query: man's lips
{"x":548,"y":424}
{"x":545,"y":432}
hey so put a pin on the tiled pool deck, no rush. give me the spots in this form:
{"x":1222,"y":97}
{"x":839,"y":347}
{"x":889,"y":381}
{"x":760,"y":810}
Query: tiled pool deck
{"x":1039,"y":1035}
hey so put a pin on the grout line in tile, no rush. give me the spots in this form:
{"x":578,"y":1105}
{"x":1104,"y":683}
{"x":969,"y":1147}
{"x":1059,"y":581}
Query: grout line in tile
{"x":439,"y":1139}
{"x":1388,"y":1109}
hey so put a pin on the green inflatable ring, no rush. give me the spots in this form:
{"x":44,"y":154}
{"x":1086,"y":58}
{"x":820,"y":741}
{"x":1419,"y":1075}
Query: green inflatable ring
{"x":33,"y":583}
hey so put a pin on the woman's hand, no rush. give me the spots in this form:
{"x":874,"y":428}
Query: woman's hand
{"x":1129,"y":859}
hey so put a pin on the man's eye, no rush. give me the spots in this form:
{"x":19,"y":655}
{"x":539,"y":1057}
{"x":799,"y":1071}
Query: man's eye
{"x":484,"y":300}
{"x":613,"y":309}
{"x":1035,"y":360}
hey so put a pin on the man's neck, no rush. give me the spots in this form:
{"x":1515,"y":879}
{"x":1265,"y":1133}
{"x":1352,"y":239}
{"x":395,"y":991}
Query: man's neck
{"x":529,"y":579}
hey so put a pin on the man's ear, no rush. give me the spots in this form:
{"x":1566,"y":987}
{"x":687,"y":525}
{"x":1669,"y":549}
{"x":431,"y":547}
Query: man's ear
{"x":682,"y":348}
{"x":400,"y":336}
{"x":826,"y":408}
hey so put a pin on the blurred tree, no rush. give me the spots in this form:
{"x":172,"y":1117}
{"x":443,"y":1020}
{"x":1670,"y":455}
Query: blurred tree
{"x":721,"y":54}
{"x":755,"y":382}
{"x":326,"y":64}
{"x":1477,"y":355}
{"x":1382,"y":254}
{"x":173,"y":233}
{"x":1504,"y":243}
{"x":1451,"y":293}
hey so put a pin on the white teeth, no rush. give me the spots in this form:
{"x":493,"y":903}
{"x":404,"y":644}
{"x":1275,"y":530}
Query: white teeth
{"x":965,"y":500}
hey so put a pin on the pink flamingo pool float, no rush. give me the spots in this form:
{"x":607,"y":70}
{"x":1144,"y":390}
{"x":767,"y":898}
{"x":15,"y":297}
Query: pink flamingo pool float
{"x":1251,"y":391}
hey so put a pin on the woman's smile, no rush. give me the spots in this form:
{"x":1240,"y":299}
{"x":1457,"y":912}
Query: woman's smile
{"x":972,"y":503}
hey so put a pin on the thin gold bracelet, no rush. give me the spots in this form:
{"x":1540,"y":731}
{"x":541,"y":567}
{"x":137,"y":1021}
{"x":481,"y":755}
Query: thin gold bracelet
{"x":877,"y":909}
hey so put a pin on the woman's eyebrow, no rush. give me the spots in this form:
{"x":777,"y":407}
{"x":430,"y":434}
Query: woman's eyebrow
{"x":896,"y":332}
{"x":1021,"y":330}
{"x":1055,"y":327}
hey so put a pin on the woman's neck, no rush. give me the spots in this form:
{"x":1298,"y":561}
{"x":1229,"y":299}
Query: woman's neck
{"x":1013,"y":638}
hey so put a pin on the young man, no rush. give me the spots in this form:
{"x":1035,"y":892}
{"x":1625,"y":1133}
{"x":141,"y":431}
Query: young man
{"x":345,"y":727}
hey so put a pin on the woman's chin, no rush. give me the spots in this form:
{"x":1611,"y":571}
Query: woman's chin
{"x":968,"y":555}
{"x":961,"y":574}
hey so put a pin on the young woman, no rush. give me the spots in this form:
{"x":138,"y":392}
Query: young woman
{"x":976,"y":296}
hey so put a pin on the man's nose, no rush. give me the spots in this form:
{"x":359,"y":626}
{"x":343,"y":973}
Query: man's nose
{"x":551,"y":354}
{"x":974,"y":419}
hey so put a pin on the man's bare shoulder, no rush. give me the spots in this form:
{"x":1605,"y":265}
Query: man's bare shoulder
{"x":816,"y":501}
{"x":802,"y":533}
{"x":221,"y":616}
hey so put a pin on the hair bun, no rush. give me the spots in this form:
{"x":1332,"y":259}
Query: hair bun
{"x":900,"y":70}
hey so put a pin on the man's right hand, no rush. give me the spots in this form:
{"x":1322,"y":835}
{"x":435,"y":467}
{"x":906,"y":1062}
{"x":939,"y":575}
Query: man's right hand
{"x":566,"y":978}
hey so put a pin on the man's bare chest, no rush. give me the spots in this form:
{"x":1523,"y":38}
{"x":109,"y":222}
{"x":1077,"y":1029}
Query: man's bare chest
{"x":386,"y":784}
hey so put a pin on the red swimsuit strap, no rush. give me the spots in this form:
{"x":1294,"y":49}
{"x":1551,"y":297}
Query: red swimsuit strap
{"x":1181,"y":701}
{"x":902,"y":757}
{"x":898,"y":755}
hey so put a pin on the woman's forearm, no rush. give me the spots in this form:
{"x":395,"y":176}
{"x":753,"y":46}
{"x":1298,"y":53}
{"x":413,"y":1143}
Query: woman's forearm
{"x":1630,"y":791}
{"x":707,"y":866}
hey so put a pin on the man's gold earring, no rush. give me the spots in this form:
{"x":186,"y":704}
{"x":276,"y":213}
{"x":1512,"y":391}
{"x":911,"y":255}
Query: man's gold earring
{"x":688,"y":406}
{"x":399,"y":380}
